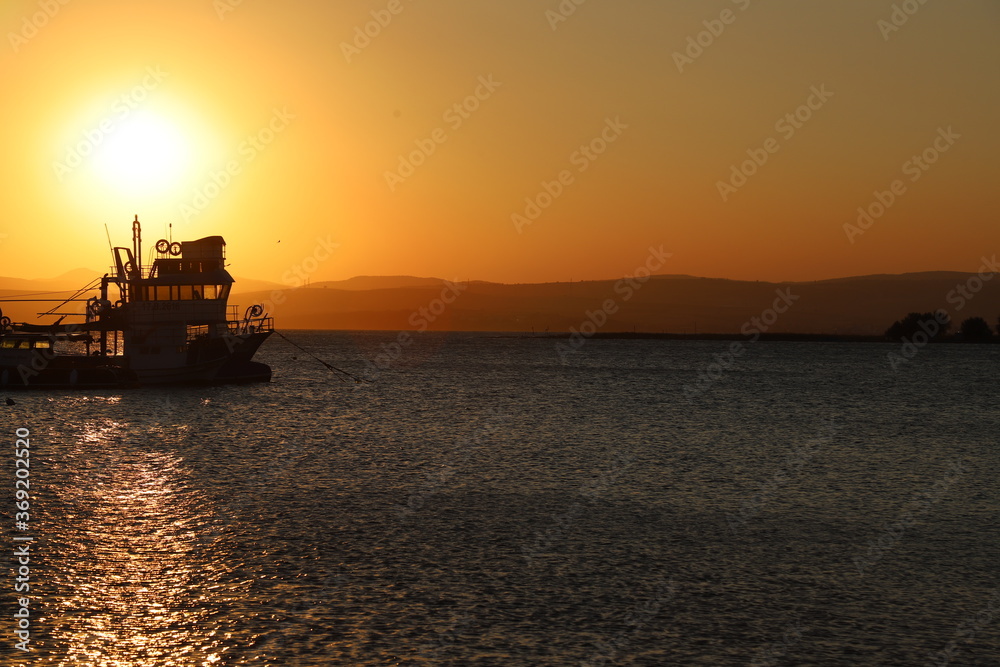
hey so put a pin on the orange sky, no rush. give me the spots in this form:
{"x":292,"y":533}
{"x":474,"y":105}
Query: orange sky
{"x":164,"y":96}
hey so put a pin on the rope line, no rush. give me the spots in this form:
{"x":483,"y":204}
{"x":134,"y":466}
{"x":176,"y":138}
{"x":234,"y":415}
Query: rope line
{"x":329,"y":366}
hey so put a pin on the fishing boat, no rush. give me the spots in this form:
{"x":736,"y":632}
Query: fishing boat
{"x":166,"y":323}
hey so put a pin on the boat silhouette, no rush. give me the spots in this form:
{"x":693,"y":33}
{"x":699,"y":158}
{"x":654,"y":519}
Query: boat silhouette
{"x":168,"y":323}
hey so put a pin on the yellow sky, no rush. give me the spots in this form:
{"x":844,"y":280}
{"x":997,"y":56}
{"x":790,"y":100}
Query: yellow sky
{"x":265,"y":121}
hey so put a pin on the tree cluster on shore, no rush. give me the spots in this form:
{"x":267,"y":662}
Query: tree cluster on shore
{"x":936,"y":326}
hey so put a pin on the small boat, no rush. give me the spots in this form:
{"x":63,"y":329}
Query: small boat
{"x":169,"y":323}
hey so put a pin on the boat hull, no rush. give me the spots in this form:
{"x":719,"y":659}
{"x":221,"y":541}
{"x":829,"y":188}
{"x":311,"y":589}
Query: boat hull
{"x":67,"y":373}
{"x":209,"y":364}
{"x":215,"y":361}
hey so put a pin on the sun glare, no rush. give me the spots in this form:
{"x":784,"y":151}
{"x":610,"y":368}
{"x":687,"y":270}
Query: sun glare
{"x":146,"y":155}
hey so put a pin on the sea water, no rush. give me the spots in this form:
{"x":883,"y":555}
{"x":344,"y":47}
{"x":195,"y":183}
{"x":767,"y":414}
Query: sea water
{"x":499,"y":500}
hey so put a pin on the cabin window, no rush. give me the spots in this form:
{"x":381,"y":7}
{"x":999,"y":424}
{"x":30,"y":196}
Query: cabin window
{"x":185,"y":292}
{"x":191,"y":266}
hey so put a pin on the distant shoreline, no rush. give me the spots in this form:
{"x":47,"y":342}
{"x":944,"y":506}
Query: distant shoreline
{"x":635,"y":335}
{"x":770,"y":337}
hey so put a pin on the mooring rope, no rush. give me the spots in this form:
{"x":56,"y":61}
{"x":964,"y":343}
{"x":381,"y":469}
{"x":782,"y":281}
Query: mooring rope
{"x":329,"y":366}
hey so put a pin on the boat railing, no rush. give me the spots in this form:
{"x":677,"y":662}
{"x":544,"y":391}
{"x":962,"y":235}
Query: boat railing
{"x":147,"y":272}
{"x":249,"y":326}
{"x":196,"y":332}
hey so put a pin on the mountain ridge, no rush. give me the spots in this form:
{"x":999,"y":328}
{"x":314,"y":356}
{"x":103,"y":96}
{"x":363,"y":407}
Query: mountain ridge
{"x":853,"y":305}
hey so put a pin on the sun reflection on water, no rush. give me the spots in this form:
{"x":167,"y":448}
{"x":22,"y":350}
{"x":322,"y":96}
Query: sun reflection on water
{"x":135,"y":579}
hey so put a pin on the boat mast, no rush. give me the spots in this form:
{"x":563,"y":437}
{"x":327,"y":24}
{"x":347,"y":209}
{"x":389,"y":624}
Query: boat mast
{"x":137,"y":246}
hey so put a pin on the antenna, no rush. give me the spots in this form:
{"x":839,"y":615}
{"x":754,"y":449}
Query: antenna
{"x":109,"y":241}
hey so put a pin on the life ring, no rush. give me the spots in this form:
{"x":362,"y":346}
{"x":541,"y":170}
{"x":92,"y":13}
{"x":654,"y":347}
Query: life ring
{"x":97,"y":306}
{"x":162,"y":246}
{"x":175,"y":248}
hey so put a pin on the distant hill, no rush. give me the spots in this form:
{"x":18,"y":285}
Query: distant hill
{"x":250,"y":285}
{"x":78,"y":278}
{"x":378,"y":282}
{"x":69,"y":281}
{"x":862,"y":305}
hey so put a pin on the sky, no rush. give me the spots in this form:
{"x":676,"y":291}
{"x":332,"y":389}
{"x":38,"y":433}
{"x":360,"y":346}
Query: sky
{"x":516,"y":141}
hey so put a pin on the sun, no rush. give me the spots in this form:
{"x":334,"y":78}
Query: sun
{"x":146,"y":154}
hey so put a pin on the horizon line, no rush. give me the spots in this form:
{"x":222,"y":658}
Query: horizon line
{"x":544,"y":282}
